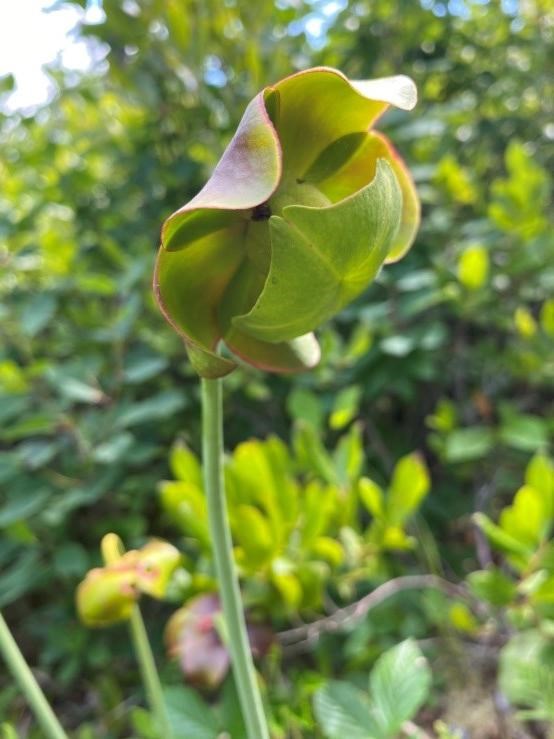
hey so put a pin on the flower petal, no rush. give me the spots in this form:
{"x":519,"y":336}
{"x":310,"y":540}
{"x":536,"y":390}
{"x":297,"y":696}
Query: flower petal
{"x":320,"y":105}
{"x":107,"y":595}
{"x":189,"y":285}
{"x":297,"y":355}
{"x":322,"y":258}
{"x":246,"y":176}
{"x":360,"y":169}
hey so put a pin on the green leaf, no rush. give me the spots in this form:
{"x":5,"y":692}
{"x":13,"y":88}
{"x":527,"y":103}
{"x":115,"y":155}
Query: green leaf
{"x":502,"y":539}
{"x":38,"y":312}
{"x":464,"y":445}
{"x":526,"y":674}
{"x":185,"y":465}
{"x":185,"y":504}
{"x":540,"y":475}
{"x":144,"y":368}
{"x":345,"y":407}
{"x":372,"y":497}
{"x":80,"y":391}
{"x":311,"y":454}
{"x":410,"y":484}
{"x":473,"y":267}
{"x":159,"y":406}
{"x":189,"y":715}
{"x":322,"y":258}
{"x":23,"y":506}
{"x":343,"y":711}
{"x":25,"y":573}
{"x":8,"y":731}
{"x":399,"y":685}
{"x":286,"y":582}
{"x":492,"y":586}
{"x":252,"y":533}
{"x":305,"y":406}
{"x":524,"y":432}
{"x":528,"y":518}
{"x":349,"y":457}
{"x":113,"y":449}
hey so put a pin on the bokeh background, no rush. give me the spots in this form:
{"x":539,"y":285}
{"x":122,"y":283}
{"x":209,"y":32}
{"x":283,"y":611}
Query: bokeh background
{"x":450,"y":353}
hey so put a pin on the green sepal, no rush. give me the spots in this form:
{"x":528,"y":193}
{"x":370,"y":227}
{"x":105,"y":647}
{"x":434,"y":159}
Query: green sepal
{"x":208,"y":364}
{"x":322,"y":258}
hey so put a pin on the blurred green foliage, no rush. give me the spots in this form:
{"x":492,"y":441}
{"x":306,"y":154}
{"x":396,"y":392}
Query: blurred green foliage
{"x":297,"y":522}
{"x":450,"y":352}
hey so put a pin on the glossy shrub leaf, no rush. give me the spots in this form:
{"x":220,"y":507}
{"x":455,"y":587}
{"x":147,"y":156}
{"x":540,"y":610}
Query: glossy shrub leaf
{"x":410,"y":484}
{"x":473,"y":267}
{"x":528,"y":518}
{"x":492,"y":586}
{"x":540,"y":475}
{"x":345,"y":407}
{"x":185,"y":465}
{"x":503,"y":540}
{"x":467,"y":444}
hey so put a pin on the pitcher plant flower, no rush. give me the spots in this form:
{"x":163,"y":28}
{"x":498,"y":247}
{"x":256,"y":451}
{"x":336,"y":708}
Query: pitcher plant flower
{"x":304,"y":207}
{"x":108,"y":594}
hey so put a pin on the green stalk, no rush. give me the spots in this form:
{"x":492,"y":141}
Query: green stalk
{"x":149,"y":673}
{"x":112,"y":551}
{"x":28,"y":685}
{"x":233,"y":614}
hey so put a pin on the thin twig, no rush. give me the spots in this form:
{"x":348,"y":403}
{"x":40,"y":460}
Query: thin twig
{"x":483,"y":550}
{"x":355,"y":611}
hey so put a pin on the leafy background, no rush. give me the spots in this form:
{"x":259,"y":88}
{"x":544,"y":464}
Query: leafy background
{"x":449,"y":355}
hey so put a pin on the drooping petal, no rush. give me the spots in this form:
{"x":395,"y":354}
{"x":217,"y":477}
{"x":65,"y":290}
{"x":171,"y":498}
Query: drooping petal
{"x":320,"y":105}
{"x":155,"y":563}
{"x":322,"y":258}
{"x":107,"y":595}
{"x":246,"y":176}
{"x":189,"y":285}
{"x":296,"y":355}
{"x":203,"y":242}
{"x":358,"y":170}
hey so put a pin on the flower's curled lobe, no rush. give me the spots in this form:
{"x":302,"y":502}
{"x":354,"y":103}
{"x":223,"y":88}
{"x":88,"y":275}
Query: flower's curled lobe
{"x":304,"y":207}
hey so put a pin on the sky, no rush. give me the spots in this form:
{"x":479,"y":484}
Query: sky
{"x":32,"y":35}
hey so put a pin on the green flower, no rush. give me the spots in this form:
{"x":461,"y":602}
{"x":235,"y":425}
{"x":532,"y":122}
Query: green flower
{"x":108,"y":594}
{"x":304,"y":207}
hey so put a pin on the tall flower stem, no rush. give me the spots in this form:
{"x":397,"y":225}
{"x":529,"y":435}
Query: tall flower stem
{"x":28,"y":685}
{"x":235,"y":624}
{"x":149,"y":673}
{"x":112,"y":551}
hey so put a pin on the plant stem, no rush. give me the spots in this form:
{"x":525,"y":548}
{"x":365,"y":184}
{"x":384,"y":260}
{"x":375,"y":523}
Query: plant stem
{"x":149,"y":673}
{"x":28,"y":685}
{"x":237,"y":636}
{"x":112,"y":551}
